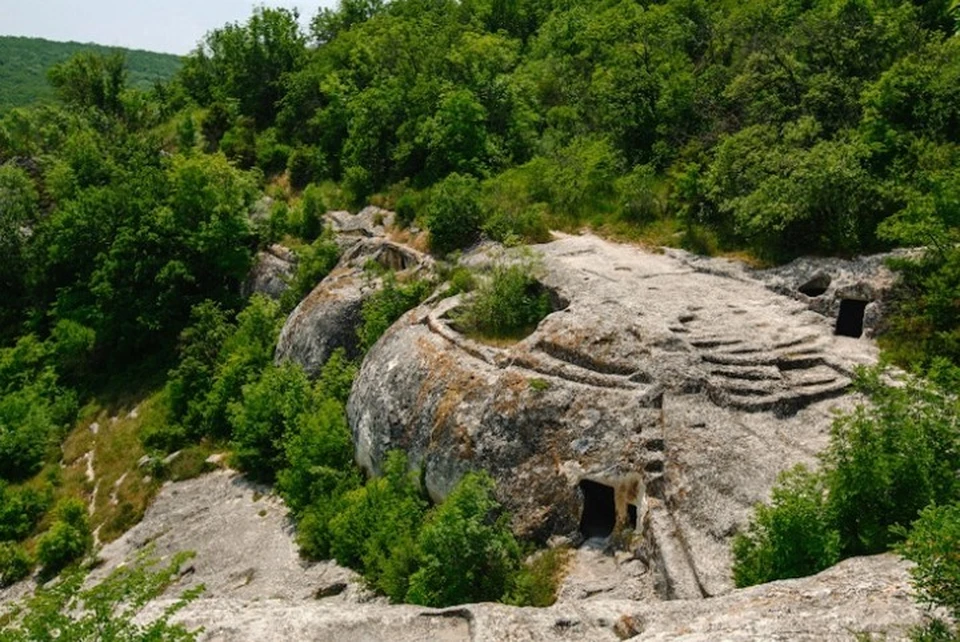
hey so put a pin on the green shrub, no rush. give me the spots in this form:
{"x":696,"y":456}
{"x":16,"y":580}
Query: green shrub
{"x":528,"y":225}
{"x":314,"y":263}
{"x":508,"y":305}
{"x":406,"y":209}
{"x":381,"y":310}
{"x":313,"y":528}
{"x":217,"y":359}
{"x":272,"y":155}
{"x":792,"y":537}
{"x":309,"y":219}
{"x":21,"y":511}
{"x":68,"y":539}
{"x":319,"y":456}
{"x":303,"y":167}
{"x":454,"y":214}
{"x":15,"y":563}
{"x":888,"y":461}
{"x":375,"y":530}
{"x":466,"y":550}
{"x":270,"y":408}
{"x":933,"y":544}
{"x":104,"y":611}
{"x":337,"y":375}
{"x":537,"y":582}
{"x":638,"y":195}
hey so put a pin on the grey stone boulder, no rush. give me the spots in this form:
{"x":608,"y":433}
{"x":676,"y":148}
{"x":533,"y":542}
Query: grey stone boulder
{"x":369,"y":222}
{"x":272,"y":271}
{"x":327,"y":319}
{"x":662,"y":401}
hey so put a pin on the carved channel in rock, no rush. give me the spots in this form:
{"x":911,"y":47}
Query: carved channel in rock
{"x":850,"y":319}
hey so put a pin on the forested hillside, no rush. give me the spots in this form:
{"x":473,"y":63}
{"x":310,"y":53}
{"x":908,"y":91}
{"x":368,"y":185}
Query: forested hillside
{"x":766,"y":129}
{"x":24,"y":63}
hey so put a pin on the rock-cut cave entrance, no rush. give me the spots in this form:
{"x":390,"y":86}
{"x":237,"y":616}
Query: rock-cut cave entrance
{"x":599,"y":514}
{"x":850,"y":319}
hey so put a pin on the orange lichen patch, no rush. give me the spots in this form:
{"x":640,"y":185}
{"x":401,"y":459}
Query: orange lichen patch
{"x":419,"y":241}
{"x":513,"y":390}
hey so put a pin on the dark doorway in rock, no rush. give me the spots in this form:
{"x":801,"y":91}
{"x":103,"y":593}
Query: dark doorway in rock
{"x":632,"y":516}
{"x":850,"y":319}
{"x":599,"y":509}
{"x":816,"y":286}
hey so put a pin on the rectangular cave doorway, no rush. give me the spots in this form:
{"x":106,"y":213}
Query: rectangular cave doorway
{"x":850,"y":319}
{"x":599,"y":514}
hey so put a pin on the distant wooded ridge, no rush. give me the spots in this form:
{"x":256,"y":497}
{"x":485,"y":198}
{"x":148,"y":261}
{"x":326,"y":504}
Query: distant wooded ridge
{"x":24,"y":63}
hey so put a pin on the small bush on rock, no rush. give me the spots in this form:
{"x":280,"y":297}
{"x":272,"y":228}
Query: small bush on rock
{"x":467,"y":552}
{"x":934,"y":546}
{"x":508,"y":305}
{"x":792,"y":537}
{"x":386,"y":306}
{"x":15,"y":563}
{"x":314,"y":263}
{"x":68,"y":539}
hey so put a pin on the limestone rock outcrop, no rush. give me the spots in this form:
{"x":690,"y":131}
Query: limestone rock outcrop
{"x":328,"y":317}
{"x":272,"y":272}
{"x":661,"y":396}
{"x":259,"y":590}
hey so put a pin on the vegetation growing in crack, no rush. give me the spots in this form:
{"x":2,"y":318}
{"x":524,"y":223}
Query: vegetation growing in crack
{"x":506,"y":305}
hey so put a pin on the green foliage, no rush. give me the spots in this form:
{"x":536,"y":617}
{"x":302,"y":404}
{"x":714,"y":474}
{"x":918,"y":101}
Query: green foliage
{"x":108,"y":611}
{"x":20,"y":511}
{"x":454,"y":214}
{"x":246,"y":63}
{"x":934,"y":546}
{"x":269,"y":411}
{"x":507,"y":305}
{"x":19,"y":203}
{"x":314,"y":262}
{"x":873,"y":485}
{"x":885,"y":464}
{"x":537,"y":581}
{"x":217,"y":360}
{"x":303,"y":167}
{"x":68,"y":539}
{"x":34,"y":408}
{"x":792,"y":537}
{"x":386,"y":306}
{"x":467,"y":552}
{"x":319,"y":457}
{"x":15,"y":563}
{"x":375,"y":528}
{"x":337,"y":375}
{"x":312,"y":208}
{"x":22,"y":77}
{"x":90,"y":80}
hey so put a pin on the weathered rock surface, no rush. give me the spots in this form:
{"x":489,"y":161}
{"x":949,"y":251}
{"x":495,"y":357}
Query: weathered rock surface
{"x":258,"y":590}
{"x":865,"y":595}
{"x":367,"y":223}
{"x":328,"y":317}
{"x":681,"y":387}
{"x":830,"y":285}
{"x":272,"y":271}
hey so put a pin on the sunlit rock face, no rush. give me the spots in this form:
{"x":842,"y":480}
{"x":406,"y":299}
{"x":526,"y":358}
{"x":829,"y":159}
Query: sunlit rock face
{"x":683,"y":385}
